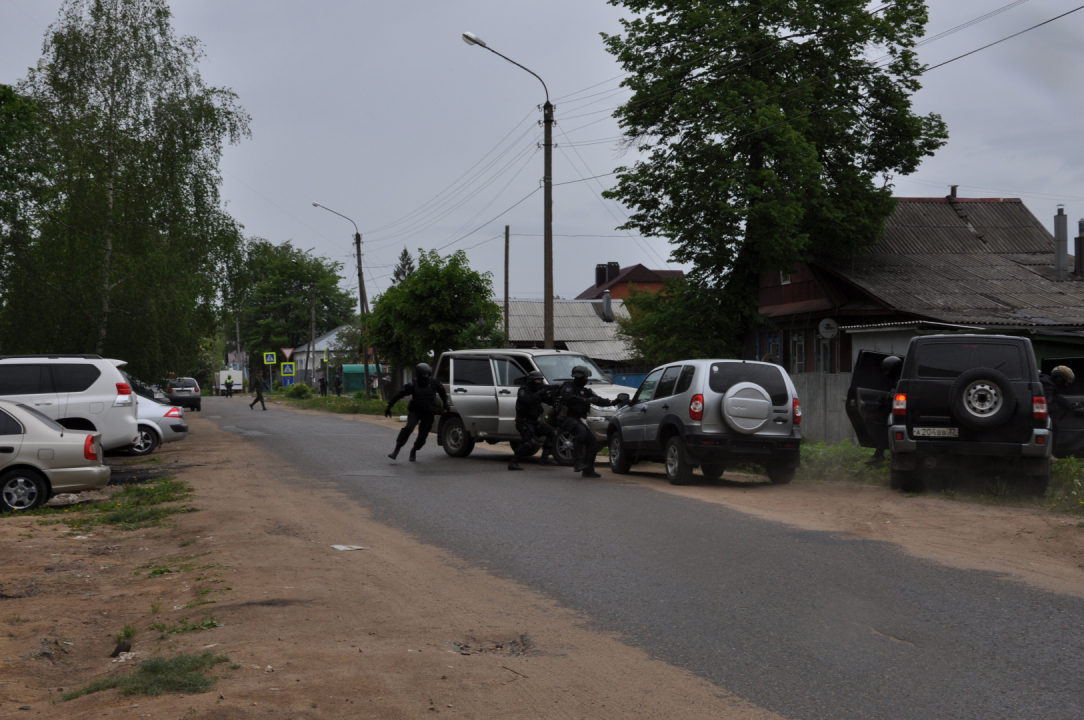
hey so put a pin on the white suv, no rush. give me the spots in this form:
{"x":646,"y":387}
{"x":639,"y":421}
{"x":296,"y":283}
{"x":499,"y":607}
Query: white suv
{"x":81,"y":392}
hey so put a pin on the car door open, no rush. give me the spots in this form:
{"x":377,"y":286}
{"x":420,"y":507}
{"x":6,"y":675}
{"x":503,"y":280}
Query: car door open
{"x":1067,"y":416}
{"x":869,"y":399}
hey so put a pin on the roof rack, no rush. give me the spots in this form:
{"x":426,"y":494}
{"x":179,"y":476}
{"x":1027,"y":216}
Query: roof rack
{"x":50,"y":357}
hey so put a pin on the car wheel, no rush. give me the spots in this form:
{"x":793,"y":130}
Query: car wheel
{"x":982,"y":398}
{"x":565,"y":451}
{"x":1036,"y":485}
{"x":22,"y":490}
{"x":780,"y":475}
{"x":678,"y":471}
{"x":712,"y":471}
{"x":199,"y":407}
{"x":619,"y":457}
{"x":904,"y":480}
{"x":147,"y":442}
{"x":456,"y":440}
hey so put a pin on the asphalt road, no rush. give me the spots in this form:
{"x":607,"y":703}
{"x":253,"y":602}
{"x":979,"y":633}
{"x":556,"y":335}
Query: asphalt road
{"x":806,"y":624}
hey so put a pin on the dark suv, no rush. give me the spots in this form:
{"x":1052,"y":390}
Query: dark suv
{"x":960,"y":402}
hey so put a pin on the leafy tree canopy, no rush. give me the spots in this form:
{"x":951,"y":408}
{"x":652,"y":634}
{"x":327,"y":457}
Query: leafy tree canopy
{"x":443,"y":305}
{"x":768,"y":130}
{"x":125,"y":252}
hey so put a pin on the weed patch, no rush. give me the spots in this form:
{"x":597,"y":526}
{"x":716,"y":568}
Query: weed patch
{"x":127,"y":633}
{"x":181,"y":674}
{"x":1066,"y":490}
{"x":184,"y":626}
{"x":133,"y":508}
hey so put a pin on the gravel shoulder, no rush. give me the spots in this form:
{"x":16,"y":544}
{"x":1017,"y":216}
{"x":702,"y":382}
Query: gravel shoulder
{"x":397,"y":629}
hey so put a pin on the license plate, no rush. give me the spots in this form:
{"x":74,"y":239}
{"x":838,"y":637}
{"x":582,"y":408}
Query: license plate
{"x":936,"y":432}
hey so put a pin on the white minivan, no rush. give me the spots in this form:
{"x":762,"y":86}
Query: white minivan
{"x":81,"y":392}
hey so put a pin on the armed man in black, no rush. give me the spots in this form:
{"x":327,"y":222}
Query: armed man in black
{"x":529,"y":422}
{"x":427,"y":399}
{"x":574,"y":401}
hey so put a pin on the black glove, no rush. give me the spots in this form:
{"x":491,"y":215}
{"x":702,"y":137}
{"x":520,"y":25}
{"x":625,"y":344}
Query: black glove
{"x":387,"y":411}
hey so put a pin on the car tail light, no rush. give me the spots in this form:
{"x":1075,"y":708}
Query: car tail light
{"x":169,"y":389}
{"x":174,"y":412}
{"x":1038,"y":408}
{"x":1040,"y":440}
{"x":899,"y":405}
{"x":88,"y":449}
{"x":899,"y":436}
{"x":797,"y":412}
{"x":124,"y":395}
{"x":696,"y":408}
{"x":196,"y":390}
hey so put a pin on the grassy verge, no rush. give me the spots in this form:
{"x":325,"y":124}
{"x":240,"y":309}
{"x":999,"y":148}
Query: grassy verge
{"x":134,"y":507}
{"x":181,"y":674}
{"x":821,"y":461}
{"x":347,"y":405}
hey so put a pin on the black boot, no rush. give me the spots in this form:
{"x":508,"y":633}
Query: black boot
{"x":413,"y":455}
{"x":547,"y":460}
{"x":513,"y":465}
{"x":395,"y":453}
{"x":579,"y":467}
{"x":589,"y":472}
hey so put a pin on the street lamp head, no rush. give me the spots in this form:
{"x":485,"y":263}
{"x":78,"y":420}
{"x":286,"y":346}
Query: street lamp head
{"x":316,"y":204}
{"x":472,"y":39}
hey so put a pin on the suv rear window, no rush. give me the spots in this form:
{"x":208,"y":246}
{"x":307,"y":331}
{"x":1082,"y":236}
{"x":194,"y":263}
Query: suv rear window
{"x":950,"y":360}
{"x":25,"y":379}
{"x":183,"y":382}
{"x":75,"y":378}
{"x":724,"y":376}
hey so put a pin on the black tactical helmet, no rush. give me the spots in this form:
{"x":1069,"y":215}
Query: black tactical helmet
{"x":581,"y":371}
{"x":535,"y":375}
{"x":423,"y":369}
{"x":891,"y":366}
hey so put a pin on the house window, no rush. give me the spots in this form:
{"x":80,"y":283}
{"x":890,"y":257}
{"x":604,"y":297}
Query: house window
{"x":797,"y":352}
{"x":784,"y":278}
{"x":823,"y":355}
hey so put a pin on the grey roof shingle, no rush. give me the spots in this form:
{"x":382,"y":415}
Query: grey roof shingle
{"x":574,"y":321}
{"x":977,"y":261}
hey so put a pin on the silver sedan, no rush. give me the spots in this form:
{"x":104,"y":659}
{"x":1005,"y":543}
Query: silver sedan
{"x":159,"y":422}
{"x":39,"y":458}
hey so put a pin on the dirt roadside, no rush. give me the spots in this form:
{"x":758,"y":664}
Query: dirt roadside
{"x":396,"y":630}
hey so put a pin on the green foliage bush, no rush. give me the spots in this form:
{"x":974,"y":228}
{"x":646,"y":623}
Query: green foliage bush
{"x":821,"y":461}
{"x":1066,"y":491}
{"x":299,"y":391}
{"x":181,"y":674}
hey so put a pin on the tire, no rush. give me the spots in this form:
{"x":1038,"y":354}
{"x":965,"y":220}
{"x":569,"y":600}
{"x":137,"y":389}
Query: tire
{"x":619,"y":457}
{"x":678,"y":471}
{"x":454,"y":437}
{"x":713,"y":471}
{"x":1036,"y":485}
{"x":904,"y":480}
{"x":780,"y":475}
{"x":199,"y":407}
{"x":564,"y":451}
{"x":22,"y":490}
{"x":147,"y":443}
{"x":982,"y":398}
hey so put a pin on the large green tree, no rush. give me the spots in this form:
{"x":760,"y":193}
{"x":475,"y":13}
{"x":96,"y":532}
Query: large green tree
{"x":443,"y":305}
{"x":20,"y":179}
{"x":284,"y":285}
{"x":767,"y":130}
{"x":127,"y":254}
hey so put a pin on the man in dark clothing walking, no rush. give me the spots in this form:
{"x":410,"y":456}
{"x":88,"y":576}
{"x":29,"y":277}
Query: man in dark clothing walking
{"x":529,"y":422}
{"x":338,"y":384}
{"x":427,"y":398}
{"x":259,"y":393}
{"x":323,"y":386}
{"x":574,"y":401}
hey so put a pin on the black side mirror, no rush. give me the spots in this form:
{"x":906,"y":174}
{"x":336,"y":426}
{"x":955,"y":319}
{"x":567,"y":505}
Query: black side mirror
{"x":623,"y":398}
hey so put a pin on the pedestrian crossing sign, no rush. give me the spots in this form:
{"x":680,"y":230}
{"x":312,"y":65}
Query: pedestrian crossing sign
{"x":269,"y":358}
{"x":287,"y":369}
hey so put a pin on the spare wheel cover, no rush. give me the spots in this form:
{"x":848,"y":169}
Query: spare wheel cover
{"x":747,"y":408}
{"x":982,"y":398}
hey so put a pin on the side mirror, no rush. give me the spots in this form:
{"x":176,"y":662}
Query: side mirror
{"x":623,"y":398}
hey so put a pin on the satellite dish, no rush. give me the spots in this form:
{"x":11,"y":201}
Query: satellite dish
{"x":828,"y":328}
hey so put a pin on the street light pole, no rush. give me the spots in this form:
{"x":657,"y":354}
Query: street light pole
{"x":547,"y":179}
{"x":363,"y":300}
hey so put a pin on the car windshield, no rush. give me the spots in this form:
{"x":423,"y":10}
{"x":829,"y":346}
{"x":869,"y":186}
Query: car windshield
{"x":558,"y":368}
{"x":47,"y":421}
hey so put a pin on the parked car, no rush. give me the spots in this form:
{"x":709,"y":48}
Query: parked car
{"x":482,"y":387}
{"x":40,"y":458}
{"x":159,"y":422}
{"x":961,"y":402}
{"x":184,"y":392}
{"x":711,"y":414}
{"x":81,"y":392}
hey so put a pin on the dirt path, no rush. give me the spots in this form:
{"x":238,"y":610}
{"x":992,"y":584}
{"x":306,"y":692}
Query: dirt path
{"x":396,"y":630}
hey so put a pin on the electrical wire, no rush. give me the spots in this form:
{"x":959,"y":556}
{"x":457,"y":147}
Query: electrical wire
{"x":495,"y":217}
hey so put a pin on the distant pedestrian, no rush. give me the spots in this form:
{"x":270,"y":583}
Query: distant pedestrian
{"x":323,"y":386}
{"x":229,"y":386}
{"x":259,"y":394}
{"x":338,"y":384}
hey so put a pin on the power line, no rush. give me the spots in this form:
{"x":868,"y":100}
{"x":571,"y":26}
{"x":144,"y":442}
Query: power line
{"x":495,"y":217}
{"x":274,"y":205}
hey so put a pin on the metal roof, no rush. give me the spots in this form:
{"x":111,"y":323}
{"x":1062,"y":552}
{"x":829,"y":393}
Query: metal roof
{"x":574,"y":322}
{"x":979,"y":262}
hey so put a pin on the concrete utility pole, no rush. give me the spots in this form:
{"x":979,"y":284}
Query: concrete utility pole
{"x":547,"y":180}
{"x":363,"y":301}
{"x":312,"y":331}
{"x":506,"y":281}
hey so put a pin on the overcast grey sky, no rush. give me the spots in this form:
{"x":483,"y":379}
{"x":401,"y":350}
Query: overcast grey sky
{"x":375,"y":108}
